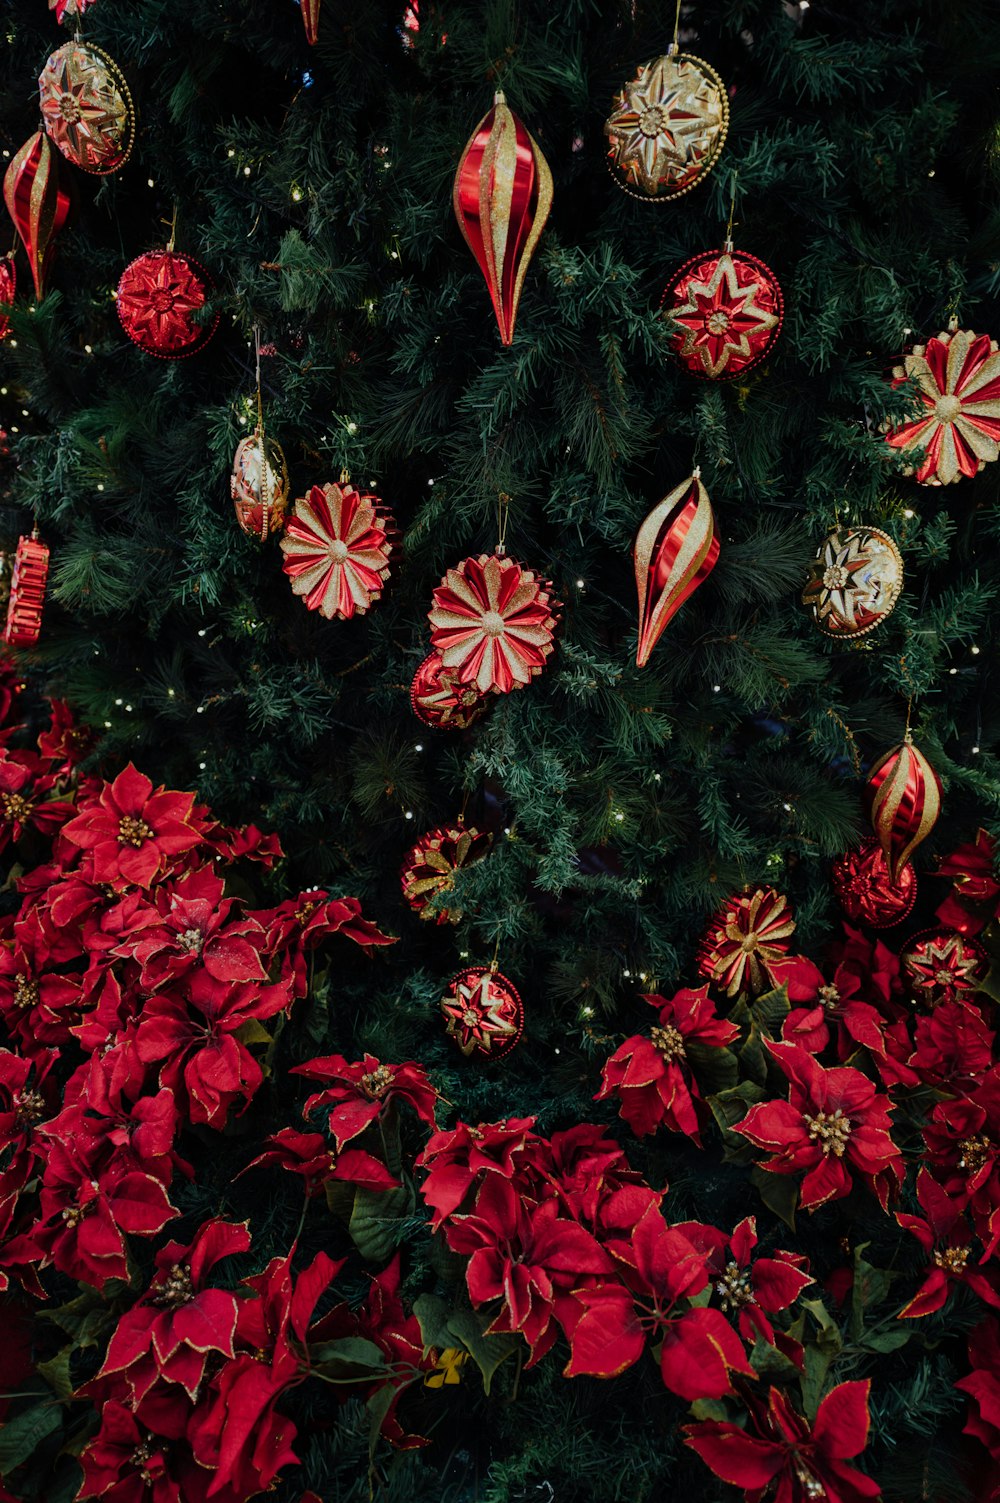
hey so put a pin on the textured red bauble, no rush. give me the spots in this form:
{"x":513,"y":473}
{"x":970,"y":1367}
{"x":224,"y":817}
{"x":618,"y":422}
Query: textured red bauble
{"x":725,"y":308}
{"x":940,"y":965}
{"x":159,"y":294}
{"x":483,"y":1012}
{"x":867,"y":893}
{"x":27,"y":592}
{"x":8,"y":289}
{"x":86,"y":108}
{"x":854,"y":581}
{"x":674,"y":552}
{"x":440,"y":700}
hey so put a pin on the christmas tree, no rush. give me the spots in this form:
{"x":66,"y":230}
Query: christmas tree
{"x":614,"y":675}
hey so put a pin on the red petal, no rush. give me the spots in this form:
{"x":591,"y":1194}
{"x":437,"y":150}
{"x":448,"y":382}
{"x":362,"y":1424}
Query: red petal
{"x":733,"y":1455}
{"x":841,"y":1427}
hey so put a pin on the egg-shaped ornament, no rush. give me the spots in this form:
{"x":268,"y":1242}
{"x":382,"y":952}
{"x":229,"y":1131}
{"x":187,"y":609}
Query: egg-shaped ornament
{"x":667,"y":127}
{"x":902,"y":797}
{"x":725,"y":309}
{"x":160,"y":297}
{"x":259,"y":486}
{"x":86,"y":107}
{"x":854,"y":581}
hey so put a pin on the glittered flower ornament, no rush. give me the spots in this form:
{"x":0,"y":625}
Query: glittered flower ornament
{"x":939,"y":966}
{"x":780,"y":1450}
{"x":652,"y":1076}
{"x":492,"y":621}
{"x":483,"y":1012}
{"x":159,"y":295}
{"x":958,"y":375}
{"x":833,"y":1123}
{"x":86,"y":108}
{"x":946,"y":1238}
{"x":359,"y":1093}
{"x":132,"y":832}
{"x":430,"y":866}
{"x":747,"y":935}
{"x":336,"y":551}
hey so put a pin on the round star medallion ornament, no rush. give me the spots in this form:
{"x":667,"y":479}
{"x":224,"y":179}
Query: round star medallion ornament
{"x":430,"y":866}
{"x":492,"y":622}
{"x":725,"y":308}
{"x":337,"y":547}
{"x":483,"y":1012}
{"x":159,"y":297}
{"x":854,"y":581}
{"x":439,"y":700}
{"x":865,"y":890}
{"x":667,"y":127}
{"x":86,"y":108}
{"x":958,"y":432}
{"x":940,"y":965}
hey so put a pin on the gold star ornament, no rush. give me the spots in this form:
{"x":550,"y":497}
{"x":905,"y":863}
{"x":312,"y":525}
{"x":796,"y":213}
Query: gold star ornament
{"x":667,"y":127}
{"x":86,"y":108}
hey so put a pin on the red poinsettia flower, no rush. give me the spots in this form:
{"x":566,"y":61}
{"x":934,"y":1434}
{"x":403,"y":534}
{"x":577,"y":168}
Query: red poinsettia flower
{"x":954,"y":1048}
{"x":592,"y":1174}
{"x":132,"y":833}
{"x":65,"y":744}
{"x":461,"y":1157}
{"x":946,"y":1237}
{"x":309,"y":1154}
{"x":837,"y":1006}
{"x":192,"y":925}
{"x":972,"y":901}
{"x":26,"y":797}
{"x":747,"y":1288}
{"x":301,"y":923}
{"x":983,"y":1387}
{"x":364,"y":1089}
{"x":962,"y":1140}
{"x":125,"y":1463}
{"x":652,"y":1076}
{"x":27,"y":1095}
{"x":38,"y":1005}
{"x":241,"y":842}
{"x":832,"y":1122}
{"x":781,"y":1450}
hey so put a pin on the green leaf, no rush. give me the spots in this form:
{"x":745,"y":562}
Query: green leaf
{"x":86,"y":1319}
{"x":487,"y":1352}
{"x":56,"y":1373}
{"x":432,"y":1314}
{"x":779,"y":1192}
{"x":887,"y":1339}
{"x":375,"y":1220}
{"x":351,"y":1359}
{"x":22,"y":1434}
{"x":820,"y":1352}
{"x":728,"y":1108}
{"x":253,"y":1032}
{"x":715,"y":1069}
{"x":768,"y":1362}
{"x":378,"y":1405}
{"x":870,"y":1288}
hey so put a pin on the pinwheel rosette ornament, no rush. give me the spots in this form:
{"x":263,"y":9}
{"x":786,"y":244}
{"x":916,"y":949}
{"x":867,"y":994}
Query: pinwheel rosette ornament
{"x":159,"y":297}
{"x":675,"y":550}
{"x":430,"y":866}
{"x":502,"y":197}
{"x":86,"y":108}
{"x":37,"y":202}
{"x":336,"y":550}
{"x":667,"y":127}
{"x":492,"y":621}
{"x":958,"y":376}
{"x":903,"y":800}
{"x":748,"y":935}
{"x":726,"y":309}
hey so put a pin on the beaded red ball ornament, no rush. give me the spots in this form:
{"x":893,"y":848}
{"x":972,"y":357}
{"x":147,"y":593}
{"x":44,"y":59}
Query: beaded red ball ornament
{"x":867,"y":893}
{"x":725,"y":309}
{"x":159,"y":294}
{"x":483,"y":1012}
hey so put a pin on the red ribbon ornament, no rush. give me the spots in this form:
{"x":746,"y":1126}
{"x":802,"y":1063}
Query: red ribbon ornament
{"x":37,"y":203}
{"x":310,"y":20}
{"x":8,"y":287}
{"x":27,"y":592}
{"x":502,"y":197}
{"x":903,"y":800}
{"x":675,"y":551}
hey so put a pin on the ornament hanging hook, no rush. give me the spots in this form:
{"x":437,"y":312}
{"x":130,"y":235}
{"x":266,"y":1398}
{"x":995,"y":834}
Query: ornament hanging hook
{"x":172,"y":221}
{"x":503,"y":516}
{"x":907,"y":734}
{"x":732,"y":211}
{"x":677,"y":26}
{"x":260,"y":400}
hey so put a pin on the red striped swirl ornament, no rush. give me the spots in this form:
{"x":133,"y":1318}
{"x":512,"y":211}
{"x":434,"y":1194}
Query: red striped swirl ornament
{"x":502,"y":197}
{"x":37,"y":202}
{"x":903,"y":800}
{"x":675,"y":551}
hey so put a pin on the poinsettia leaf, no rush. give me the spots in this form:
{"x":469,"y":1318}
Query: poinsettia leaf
{"x":87,"y":1318}
{"x":56,"y":1373}
{"x":351,"y":1359}
{"x":487,"y":1352}
{"x":870,"y":1288}
{"x":378,"y":1405}
{"x":376,"y":1220}
{"x":767,"y":1362}
{"x":752,"y":1055}
{"x":714,"y":1069}
{"x":432,"y":1316}
{"x":21,"y":1435}
{"x":770,"y":1010}
{"x":887,"y":1338}
{"x":711,"y":1409}
{"x":729,"y":1107}
{"x":819,"y":1353}
{"x":253,"y":1032}
{"x":779,"y":1192}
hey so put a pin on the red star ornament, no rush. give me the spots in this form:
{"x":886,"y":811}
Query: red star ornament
{"x":159,"y":294}
{"x":942,"y":966}
{"x":483,"y":1012}
{"x":726,"y":309}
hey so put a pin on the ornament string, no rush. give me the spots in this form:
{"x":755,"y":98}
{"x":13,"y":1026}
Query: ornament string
{"x":503,"y":515}
{"x":732,"y":211}
{"x":172,"y":221}
{"x":677,"y":26}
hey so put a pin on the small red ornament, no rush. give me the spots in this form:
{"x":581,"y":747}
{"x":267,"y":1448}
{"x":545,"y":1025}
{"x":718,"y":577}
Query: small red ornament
{"x":71,"y":8}
{"x":675,"y":551}
{"x":86,"y":108}
{"x":492,"y":622}
{"x":8,"y":289}
{"x":903,"y":800}
{"x":27,"y":592}
{"x":439,"y":700}
{"x":483,"y":1012}
{"x":726,"y":308}
{"x":749,"y":933}
{"x":866,"y":892}
{"x":958,"y":375}
{"x":854,"y":581}
{"x":430,"y":866}
{"x":158,"y":297}
{"x":337,"y":549}
{"x":310,"y":20}
{"x":941,"y":966}
{"x":502,"y":197}
{"x":37,"y":202}
{"x":259,"y":486}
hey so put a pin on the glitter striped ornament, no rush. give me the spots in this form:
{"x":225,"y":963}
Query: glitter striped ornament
{"x":675,"y":551}
{"x":903,"y":800}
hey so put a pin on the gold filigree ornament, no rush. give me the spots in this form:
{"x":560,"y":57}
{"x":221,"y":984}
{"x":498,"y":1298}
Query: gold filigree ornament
{"x":667,"y":127}
{"x":86,"y":108}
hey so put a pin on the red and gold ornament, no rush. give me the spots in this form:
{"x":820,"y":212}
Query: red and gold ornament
{"x":972,"y":902}
{"x":37,"y":202}
{"x":492,"y":622}
{"x":958,"y":375}
{"x":726,"y":310}
{"x":27,"y":592}
{"x":865,"y":890}
{"x":440,"y":700}
{"x":667,"y":127}
{"x":748,"y":934}
{"x":430,"y":866}
{"x":675,"y":551}
{"x":70,"y":8}
{"x":159,"y":295}
{"x":483,"y":1012}
{"x":259,"y":485}
{"x":86,"y":108}
{"x":337,"y":549}
{"x":941,"y":966}
{"x":8,"y":289}
{"x":310,"y":20}
{"x":854,"y":581}
{"x":502,"y":197}
{"x":903,"y":799}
